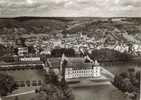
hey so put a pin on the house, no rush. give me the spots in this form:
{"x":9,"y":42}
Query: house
{"x":22,"y":51}
{"x":25,"y":59}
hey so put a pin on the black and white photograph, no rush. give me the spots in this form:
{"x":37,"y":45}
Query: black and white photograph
{"x":70,"y":49}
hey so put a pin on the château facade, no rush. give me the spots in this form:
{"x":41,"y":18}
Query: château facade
{"x":86,"y":70}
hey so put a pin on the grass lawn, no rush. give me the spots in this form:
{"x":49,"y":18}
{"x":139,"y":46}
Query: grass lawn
{"x":98,"y":92}
{"x":24,"y":75}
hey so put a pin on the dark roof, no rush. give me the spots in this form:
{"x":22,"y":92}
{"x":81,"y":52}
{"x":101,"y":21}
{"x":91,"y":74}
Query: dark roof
{"x":20,"y":63}
{"x":76,"y":62}
{"x":72,"y":62}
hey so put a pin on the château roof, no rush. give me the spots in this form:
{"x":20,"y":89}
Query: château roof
{"x":76,"y":62}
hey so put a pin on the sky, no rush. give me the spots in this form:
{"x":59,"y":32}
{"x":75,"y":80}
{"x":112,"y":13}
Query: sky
{"x":70,"y":8}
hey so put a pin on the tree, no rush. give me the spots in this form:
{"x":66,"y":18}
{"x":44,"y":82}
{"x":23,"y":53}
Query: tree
{"x":67,"y":92}
{"x":128,"y":82}
{"x":59,"y":51}
{"x":31,"y":50}
{"x":16,"y":51}
{"x":16,"y":98}
{"x":43,"y":58}
{"x":49,"y":92}
{"x":7,"y":84}
{"x":22,"y":41}
{"x":3,"y":50}
{"x":109,"y":55}
{"x":138,"y":77}
{"x":53,"y":89}
{"x":52,"y":78}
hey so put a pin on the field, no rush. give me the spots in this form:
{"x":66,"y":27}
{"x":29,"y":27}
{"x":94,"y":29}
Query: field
{"x":23,"y":75}
{"x":100,"y":92}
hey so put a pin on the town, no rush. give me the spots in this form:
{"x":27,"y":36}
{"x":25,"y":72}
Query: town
{"x":43,"y":44}
{"x":55,"y":63}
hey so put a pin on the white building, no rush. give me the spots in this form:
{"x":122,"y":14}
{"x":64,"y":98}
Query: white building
{"x":22,"y":51}
{"x":136,"y":49}
{"x":86,"y":72}
{"x":78,"y":68}
{"x":30,"y":59}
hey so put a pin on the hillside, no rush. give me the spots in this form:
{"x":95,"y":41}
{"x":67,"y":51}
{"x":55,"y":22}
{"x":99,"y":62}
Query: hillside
{"x":27,"y":25}
{"x":127,"y":30}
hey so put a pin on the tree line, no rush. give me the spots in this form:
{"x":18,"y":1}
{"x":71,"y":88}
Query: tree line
{"x":70,"y":52}
{"x":128,"y":82}
{"x":7,"y":84}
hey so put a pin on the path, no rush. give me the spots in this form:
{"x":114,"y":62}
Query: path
{"x":106,"y":72}
{"x":28,"y":92}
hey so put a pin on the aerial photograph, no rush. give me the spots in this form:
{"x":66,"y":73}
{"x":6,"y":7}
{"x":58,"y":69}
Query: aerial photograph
{"x":70,"y":49}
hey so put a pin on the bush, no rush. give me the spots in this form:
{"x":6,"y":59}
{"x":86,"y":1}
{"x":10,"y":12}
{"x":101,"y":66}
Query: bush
{"x":7,"y":84}
{"x":3,"y":50}
{"x":128,"y":82}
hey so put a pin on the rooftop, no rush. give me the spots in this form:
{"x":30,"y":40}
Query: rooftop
{"x":76,"y":62}
{"x":72,"y":62}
